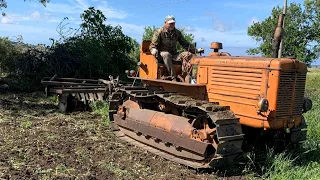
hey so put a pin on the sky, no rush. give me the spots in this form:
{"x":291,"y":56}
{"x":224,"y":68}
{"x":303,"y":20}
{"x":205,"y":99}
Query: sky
{"x":208,"y":20}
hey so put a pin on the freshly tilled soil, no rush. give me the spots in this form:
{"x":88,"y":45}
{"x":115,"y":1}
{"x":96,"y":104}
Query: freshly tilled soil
{"x":39,"y":142}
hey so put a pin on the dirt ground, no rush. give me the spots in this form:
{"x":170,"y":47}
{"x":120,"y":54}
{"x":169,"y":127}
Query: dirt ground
{"x":38,"y":142}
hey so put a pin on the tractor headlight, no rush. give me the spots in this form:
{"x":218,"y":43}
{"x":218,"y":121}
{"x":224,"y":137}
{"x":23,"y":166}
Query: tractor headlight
{"x":263,"y":105}
{"x":307,"y":104}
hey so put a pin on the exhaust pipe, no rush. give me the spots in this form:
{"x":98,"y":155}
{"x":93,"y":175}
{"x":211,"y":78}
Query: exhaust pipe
{"x":278,"y":35}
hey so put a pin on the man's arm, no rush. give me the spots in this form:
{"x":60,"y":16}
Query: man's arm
{"x":155,"y":40}
{"x":185,"y":44}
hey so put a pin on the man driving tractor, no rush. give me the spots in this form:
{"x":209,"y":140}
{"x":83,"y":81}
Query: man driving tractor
{"x":164,"y":43}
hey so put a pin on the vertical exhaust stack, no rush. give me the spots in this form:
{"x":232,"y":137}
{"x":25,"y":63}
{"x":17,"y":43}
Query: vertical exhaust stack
{"x":278,"y":35}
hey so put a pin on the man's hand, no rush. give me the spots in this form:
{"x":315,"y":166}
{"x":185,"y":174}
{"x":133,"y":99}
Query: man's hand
{"x":154,"y":52}
{"x":200,"y":50}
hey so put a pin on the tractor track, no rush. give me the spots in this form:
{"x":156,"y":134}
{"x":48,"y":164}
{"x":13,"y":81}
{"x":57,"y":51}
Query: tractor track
{"x":229,"y":134}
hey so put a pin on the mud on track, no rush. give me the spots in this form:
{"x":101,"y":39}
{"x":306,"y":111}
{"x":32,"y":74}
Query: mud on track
{"x":38,"y":142}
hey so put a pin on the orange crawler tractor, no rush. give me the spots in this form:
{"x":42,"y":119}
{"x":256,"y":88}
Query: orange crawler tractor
{"x":224,"y":106}
{"x":234,"y":103}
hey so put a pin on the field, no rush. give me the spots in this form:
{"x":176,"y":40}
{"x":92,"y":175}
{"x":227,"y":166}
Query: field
{"x":38,"y":142}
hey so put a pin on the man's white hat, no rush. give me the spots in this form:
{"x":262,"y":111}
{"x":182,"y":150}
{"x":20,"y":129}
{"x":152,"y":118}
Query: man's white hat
{"x":170,"y":19}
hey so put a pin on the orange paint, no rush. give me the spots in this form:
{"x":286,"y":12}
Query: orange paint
{"x":241,"y":82}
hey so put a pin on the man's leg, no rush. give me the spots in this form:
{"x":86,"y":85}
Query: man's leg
{"x":185,"y":58}
{"x":167,"y":59}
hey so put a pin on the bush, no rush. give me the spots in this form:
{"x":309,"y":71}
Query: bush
{"x":97,"y":51}
{"x":8,"y":53}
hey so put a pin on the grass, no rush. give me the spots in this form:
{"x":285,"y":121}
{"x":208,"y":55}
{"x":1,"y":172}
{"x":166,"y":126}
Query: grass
{"x":301,"y":162}
{"x":102,"y":109}
{"x":313,"y":81}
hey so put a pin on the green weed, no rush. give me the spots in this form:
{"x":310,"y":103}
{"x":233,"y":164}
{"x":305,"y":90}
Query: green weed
{"x":25,"y":124}
{"x":62,"y":169}
{"x":101,"y":108}
{"x":54,"y":99}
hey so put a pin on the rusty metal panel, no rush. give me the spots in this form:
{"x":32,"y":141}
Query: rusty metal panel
{"x":167,"y":122}
{"x":182,"y":141}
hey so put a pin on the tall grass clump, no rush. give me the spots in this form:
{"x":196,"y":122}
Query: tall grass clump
{"x":313,"y":79}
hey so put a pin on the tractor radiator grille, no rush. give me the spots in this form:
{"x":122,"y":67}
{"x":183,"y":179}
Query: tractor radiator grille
{"x":242,"y":83}
{"x":290,"y":94}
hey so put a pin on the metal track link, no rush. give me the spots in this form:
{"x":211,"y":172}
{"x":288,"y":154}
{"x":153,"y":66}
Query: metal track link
{"x":228,"y":128}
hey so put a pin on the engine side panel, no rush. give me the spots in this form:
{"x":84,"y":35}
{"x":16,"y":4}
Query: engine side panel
{"x":242,"y":82}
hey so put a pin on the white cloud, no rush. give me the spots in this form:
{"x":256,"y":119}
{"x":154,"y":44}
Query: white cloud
{"x":76,"y":7}
{"x":229,"y":38}
{"x":7,"y":20}
{"x":222,"y":26}
{"x":50,"y":18}
{"x":215,"y":21}
{"x":35,"y":15}
{"x":63,"y":9}
{"x":188,"y":28}
{"x":13,"y":18}
{"x":31,"y":34}
{"x":83,"y":3}
{"x":253,"y":21}
{"x":132,"y":30}
{"x":219,"y":26}
{"x":17,"y":28}
{"x":110,"y":12}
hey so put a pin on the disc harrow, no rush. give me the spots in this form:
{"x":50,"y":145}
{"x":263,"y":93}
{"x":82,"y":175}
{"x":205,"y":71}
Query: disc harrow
{"x":77,"y":94}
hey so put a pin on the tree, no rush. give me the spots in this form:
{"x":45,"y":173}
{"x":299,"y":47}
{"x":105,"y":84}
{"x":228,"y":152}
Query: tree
{"x":313,"y":10}
{"x":149,"y":31}
{"x":8,"y":52}
{"x":300,"y":38}
{"x":135,"y":53}
{"x":98,"y":51}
